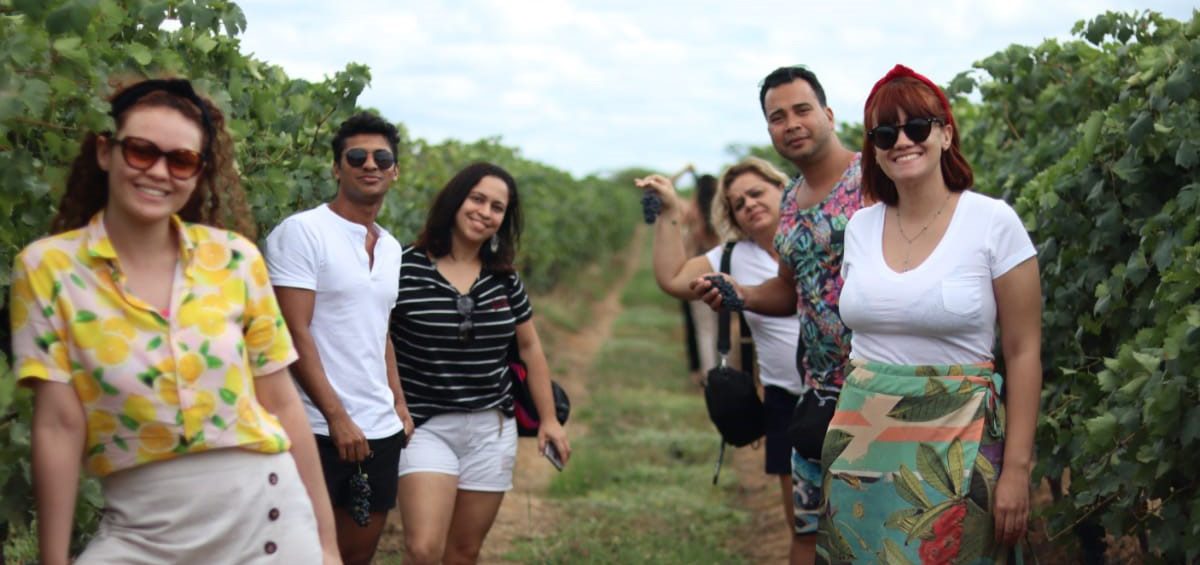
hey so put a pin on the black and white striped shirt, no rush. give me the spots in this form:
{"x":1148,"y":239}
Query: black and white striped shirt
{"x":439,"y":371}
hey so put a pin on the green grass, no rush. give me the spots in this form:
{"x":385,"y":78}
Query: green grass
{"x":567,"y":308}
{"x":639,"y":485}
{"x":569,"y":305}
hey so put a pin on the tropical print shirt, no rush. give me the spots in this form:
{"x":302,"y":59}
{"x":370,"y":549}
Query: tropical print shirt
{"x":810,"y":241}
{"x":154,"y":385}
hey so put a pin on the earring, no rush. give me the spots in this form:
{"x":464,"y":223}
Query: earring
{"x":495,"y":243}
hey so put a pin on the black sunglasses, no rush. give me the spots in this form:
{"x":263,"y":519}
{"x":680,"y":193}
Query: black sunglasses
{"x":917,"y":130}
{"x":357,"y":157}
{"x":141,"y":154}
{"x":466,"y":328}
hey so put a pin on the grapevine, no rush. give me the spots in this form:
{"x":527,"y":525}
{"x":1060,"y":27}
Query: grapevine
{"x":59,"y":61}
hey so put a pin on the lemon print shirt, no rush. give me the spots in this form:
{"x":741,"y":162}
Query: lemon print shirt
{"x":154,"y":385}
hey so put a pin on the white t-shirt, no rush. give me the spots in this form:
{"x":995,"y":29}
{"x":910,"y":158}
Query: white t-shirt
{"x":321,"y":251}
{"x":944,"y":310}
{"x":775,"y":337}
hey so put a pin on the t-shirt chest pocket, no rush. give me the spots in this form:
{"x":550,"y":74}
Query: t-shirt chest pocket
{"x":962,"y":296}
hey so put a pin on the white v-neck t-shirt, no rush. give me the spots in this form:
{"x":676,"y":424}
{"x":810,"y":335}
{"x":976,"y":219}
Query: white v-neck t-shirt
{"x":944,"y":310}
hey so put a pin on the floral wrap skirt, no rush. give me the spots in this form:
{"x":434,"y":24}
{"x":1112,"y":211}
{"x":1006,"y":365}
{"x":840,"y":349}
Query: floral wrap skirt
{"x":911,"y":460}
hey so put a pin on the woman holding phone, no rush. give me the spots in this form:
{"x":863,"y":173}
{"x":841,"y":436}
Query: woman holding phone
{"x":460,"y":306}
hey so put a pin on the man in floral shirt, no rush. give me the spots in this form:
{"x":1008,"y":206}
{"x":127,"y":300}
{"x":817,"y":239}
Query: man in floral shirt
{"x":812,"y":220}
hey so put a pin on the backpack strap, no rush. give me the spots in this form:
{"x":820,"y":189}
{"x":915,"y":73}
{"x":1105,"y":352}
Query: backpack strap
{"x":723,"y":318}
{"x":724,"y":321}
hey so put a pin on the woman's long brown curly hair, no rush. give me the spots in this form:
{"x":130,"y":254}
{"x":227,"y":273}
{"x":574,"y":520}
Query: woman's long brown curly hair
{"x":218,"y":200}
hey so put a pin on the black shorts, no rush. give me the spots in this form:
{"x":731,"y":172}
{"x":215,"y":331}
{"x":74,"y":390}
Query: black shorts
{"x":381,"y":468}
{"x":778,"y":404}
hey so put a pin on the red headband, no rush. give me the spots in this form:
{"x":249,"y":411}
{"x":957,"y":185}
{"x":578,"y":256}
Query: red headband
{"x":901,"y":71}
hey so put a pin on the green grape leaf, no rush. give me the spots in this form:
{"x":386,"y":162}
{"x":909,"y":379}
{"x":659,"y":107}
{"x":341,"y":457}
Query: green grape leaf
{"x":139,"y":53}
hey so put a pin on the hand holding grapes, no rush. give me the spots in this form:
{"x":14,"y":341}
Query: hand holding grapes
{"x":657,"y":187}
{"x":730,"y":299}
{"x":360,"y":498}
{"x":719,"y":291}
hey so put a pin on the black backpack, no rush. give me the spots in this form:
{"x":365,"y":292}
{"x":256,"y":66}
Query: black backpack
{"x":731,"y":395}
{"x":734,"y":406}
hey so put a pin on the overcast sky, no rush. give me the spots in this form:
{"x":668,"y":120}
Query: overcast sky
{"x":595,"y":86}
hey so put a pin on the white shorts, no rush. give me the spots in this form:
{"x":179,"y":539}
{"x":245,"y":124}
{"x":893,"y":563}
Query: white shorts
{"x":479,"y":448}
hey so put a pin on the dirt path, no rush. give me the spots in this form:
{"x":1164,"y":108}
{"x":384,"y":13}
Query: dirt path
{"x":525,"y":512}
{"x":766,"y":538}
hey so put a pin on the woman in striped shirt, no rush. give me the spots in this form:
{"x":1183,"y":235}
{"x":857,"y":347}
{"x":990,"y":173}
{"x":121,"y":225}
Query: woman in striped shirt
{"x":459,"y":309}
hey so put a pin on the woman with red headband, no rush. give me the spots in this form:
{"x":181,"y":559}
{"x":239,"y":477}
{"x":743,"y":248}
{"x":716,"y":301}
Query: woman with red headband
{"x":928,"y":458}
{"x":158,"y":356}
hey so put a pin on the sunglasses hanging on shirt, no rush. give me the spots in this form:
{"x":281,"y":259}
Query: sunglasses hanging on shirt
{"x":466,"y":328}
{"x":916,"y":130}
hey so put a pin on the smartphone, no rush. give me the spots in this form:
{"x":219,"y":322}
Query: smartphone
{"x":551,"y":453}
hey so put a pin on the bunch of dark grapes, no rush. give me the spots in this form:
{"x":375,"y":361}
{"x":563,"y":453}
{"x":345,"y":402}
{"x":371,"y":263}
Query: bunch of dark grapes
{"x":651,"y":206}
{"x":360,"y":499}
{"x":729,"y":298}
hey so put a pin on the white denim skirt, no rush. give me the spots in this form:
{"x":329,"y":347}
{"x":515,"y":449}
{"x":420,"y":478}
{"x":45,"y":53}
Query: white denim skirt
{"x":222,"y":506}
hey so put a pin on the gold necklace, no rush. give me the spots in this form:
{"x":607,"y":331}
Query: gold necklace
{"x":910,"y":240}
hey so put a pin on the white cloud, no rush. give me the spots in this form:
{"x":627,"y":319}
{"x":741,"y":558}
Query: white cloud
{"x":589,"y":85}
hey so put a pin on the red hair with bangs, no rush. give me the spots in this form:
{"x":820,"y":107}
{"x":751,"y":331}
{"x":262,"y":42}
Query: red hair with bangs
{"x":917,"y":100}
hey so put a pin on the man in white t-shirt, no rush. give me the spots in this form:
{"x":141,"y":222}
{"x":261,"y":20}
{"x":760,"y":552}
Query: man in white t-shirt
{"x":336,"y":274}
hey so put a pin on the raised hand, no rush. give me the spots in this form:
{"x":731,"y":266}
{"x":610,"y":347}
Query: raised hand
{"x":660,"y":188}
{"x":710,"y":292}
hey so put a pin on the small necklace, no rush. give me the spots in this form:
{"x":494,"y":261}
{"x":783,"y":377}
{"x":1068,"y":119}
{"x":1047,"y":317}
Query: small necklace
{"x":910,"y":240}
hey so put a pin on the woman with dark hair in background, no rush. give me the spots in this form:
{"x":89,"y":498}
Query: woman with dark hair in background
{"x":745,"y":210}
{"x":461,"y":305}
{"x":928,"y":456}
{"x":158,"y":356}
{"x":700,"y":235}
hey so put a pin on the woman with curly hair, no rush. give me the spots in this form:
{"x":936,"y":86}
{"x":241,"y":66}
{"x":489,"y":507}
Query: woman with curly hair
{"x":158,"y":356}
